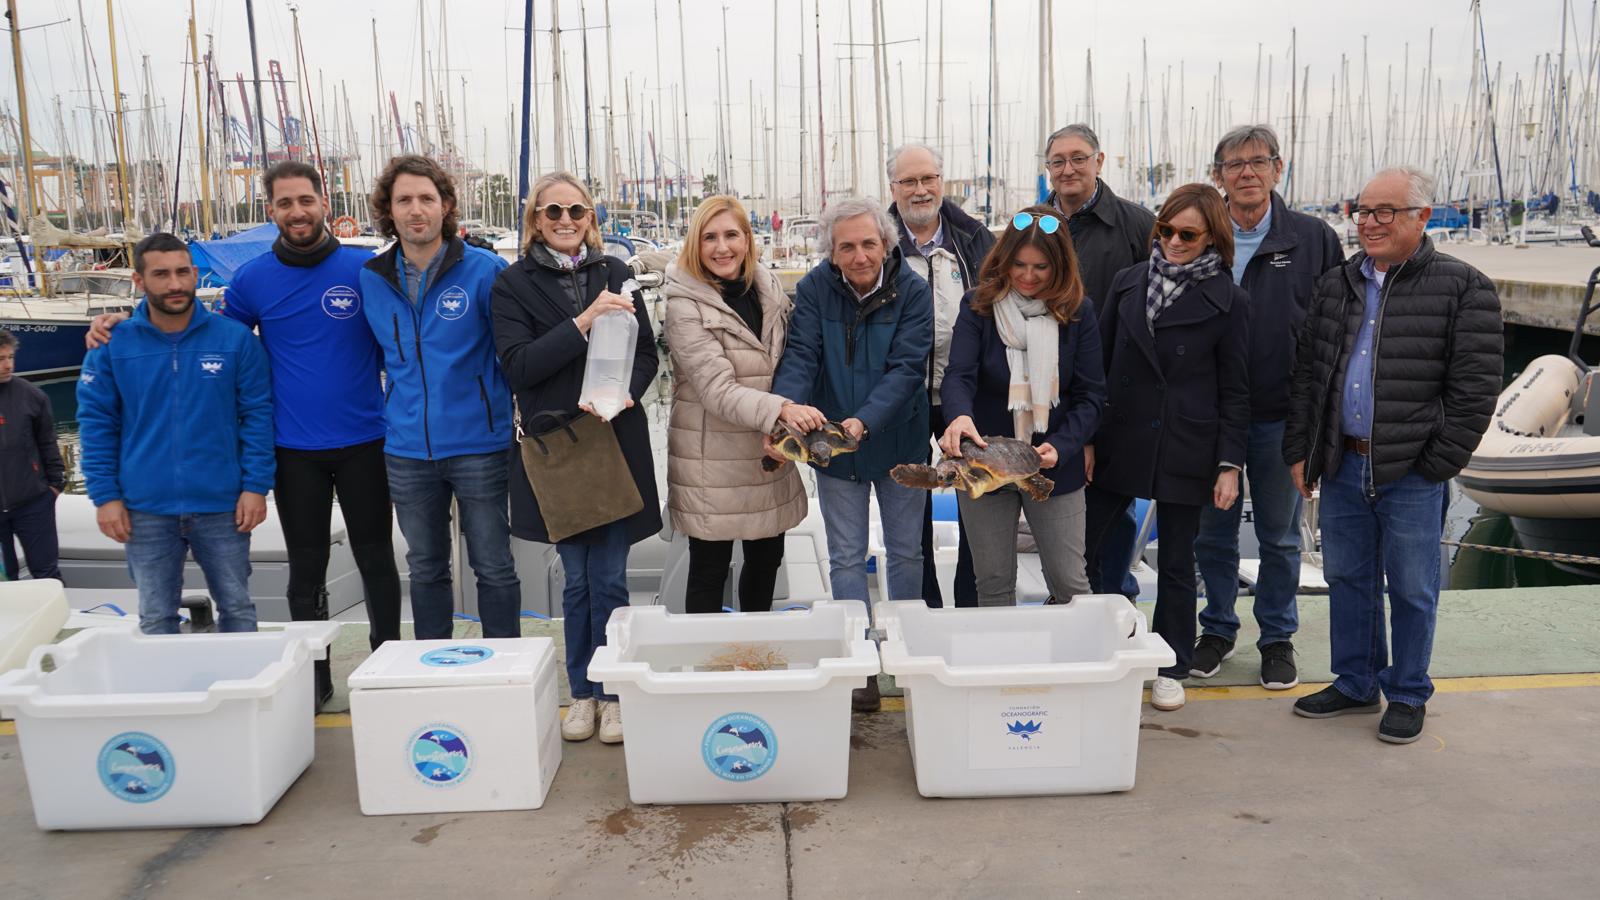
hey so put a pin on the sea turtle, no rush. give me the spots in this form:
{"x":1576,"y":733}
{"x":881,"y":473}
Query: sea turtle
{"x":979,"y":470}
{"x":819,"y":446}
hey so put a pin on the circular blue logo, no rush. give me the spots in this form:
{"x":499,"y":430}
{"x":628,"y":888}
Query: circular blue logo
{"x":136,"y":767}
{"x":440,"y":756}
{"x":453,"y":303}
{"x":341,"y":302}
{"x":739,"y":747}
{"x":455,"y":657}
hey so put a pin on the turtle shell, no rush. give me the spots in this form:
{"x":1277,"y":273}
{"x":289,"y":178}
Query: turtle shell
{"x":1008,"y":459}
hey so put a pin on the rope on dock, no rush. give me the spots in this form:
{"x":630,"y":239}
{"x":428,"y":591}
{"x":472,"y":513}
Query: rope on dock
{"x":1530,"y":554}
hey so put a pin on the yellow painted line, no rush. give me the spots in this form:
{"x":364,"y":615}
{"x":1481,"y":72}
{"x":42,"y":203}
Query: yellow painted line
{"x":1468,"y":685}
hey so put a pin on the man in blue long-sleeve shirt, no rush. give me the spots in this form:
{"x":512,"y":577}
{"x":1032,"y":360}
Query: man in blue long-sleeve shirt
{"x":175,"y":420}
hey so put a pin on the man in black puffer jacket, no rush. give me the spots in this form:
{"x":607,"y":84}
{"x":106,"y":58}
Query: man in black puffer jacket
{"x":1396,"y":373}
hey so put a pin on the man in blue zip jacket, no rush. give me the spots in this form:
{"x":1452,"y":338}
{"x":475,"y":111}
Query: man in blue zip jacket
{"x":447,"y":405}
{"x":175,"y":421}
{"x":858,"y":350}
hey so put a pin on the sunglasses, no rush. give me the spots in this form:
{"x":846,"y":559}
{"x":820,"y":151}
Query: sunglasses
{"x":577,"y":211}
{"x":1188,"y":236}
{"x":1047,"y":224}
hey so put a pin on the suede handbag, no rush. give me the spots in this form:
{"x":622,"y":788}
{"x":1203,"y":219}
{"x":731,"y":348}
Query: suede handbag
{"x":577,"y":472}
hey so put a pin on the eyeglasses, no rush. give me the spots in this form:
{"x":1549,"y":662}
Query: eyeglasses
{"x":925,"y":182}
{"x":1186,"y":235}
{"x":577,"y":211}
{"x":1047,"y":224}
{"x":1260,"y":165}
{"x":1383,"y":215}
{"x":1057,"y":163}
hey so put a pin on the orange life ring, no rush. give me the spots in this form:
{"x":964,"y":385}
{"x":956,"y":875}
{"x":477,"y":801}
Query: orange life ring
{"x":346,"y":227}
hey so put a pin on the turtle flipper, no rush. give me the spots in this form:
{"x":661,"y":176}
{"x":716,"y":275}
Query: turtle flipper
{"x":1037,"y":486}
{"x":768,"y":464}
{"x":913,"y":475}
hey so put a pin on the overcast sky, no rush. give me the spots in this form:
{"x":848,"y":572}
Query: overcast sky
{"x":484,"y":50}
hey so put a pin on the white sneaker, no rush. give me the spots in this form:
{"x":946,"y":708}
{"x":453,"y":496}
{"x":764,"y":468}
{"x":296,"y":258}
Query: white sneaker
{"x":579,"y":723}
{"x":1166,"y":694}
{"x":610,"y":722}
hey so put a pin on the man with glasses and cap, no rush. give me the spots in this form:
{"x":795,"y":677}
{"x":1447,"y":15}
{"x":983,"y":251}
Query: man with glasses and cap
{"x":1108,"y":234}
{"x":1277,"y":256}
{"x":946,"y":247}
{"x":1395,"y":378}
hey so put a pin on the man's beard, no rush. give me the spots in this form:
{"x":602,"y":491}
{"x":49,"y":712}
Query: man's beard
{"x":318,"y":235}
{"x":161,"y":304}
{"x":917,"y":216}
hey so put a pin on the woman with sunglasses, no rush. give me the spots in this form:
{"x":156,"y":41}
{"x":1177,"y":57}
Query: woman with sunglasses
{"x":544,"y":306}
{"x":1178,"y":407}
{"x":726,"y":325}
{"x":1025,"y":363}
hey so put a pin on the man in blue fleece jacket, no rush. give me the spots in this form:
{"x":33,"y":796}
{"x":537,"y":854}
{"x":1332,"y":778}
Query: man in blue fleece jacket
{"x":175,"y":421}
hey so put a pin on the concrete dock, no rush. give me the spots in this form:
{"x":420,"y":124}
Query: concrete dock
{"x":1540,"y":285}
{"x":1235,"y":795}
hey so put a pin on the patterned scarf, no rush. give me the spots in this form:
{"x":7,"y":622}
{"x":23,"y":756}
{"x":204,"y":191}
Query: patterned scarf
{"x":1168,"y":281}
{"x":1033,"y":342}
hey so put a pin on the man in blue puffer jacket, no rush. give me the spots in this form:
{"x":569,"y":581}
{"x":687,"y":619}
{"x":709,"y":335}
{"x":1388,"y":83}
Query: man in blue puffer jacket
{"x":447,"y":404}
{"x":175,"y":420}
{"x":858,"y":350}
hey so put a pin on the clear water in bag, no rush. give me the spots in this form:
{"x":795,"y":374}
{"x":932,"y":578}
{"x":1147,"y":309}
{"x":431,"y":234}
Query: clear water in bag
{"x":606,"y":371}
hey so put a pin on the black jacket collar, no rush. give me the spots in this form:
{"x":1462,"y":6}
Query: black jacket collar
{"x":305,"y":259}
{"x":384,"y":263}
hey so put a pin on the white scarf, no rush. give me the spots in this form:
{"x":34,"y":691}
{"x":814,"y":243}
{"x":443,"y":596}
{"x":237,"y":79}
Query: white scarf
{"x":1032,"y":337}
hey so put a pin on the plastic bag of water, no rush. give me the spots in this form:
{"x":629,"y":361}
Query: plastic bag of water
{"x":609,"y":365}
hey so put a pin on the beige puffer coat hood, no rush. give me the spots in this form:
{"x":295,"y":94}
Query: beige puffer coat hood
{"x":721,"y":407}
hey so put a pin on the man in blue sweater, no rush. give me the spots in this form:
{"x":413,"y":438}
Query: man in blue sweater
{"x":175,"y":420}
{"x":448,"y":405}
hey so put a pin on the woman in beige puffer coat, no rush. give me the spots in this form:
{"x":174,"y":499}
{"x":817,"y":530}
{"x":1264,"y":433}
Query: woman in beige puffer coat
{"x":726,"y":323}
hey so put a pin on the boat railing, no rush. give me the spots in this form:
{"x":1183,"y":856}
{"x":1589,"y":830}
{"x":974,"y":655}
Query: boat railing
{"x":1583,"y":314}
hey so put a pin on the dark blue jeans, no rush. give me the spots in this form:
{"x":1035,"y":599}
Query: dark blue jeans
{"x":596,"y":585}
{"x":422,"y":490}
{"x":156,"y":549}
{"x":1372,"y":536}
{"x":1109,"y":566}
{"x":34,"y":524}
{"x":1275,"y":506}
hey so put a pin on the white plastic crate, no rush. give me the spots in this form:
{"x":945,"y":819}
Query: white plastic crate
{"x":31,"y":612}
{"x":165,"y":731}
{"x":736,"y":736}
{"x":1010,"y":701}
{"x":456,"y":726}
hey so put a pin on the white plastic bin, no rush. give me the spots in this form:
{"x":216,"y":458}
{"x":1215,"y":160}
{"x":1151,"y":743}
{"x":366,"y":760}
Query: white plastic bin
{"x":1010,"y":701}
{"x":456,"y":726}
{"x":31,"y":612}
{"x":736,"y":736}
{"x":165,"y":731}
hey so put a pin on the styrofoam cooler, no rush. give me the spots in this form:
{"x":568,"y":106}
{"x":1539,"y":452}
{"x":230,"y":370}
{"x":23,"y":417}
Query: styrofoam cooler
{"x":736,"y":736}
{"x":165,"y":731}
{"x":1008,"y":701}
{"x":456,"y":726}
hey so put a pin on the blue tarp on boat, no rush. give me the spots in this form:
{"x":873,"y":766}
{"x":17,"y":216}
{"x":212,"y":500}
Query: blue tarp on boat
{"x":216,"y":261}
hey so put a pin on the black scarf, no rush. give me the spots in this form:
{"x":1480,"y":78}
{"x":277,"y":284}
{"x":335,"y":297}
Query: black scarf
{"x":291,"y":255}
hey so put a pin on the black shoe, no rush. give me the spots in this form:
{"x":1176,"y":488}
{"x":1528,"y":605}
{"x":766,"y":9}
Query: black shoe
{"x":1209,"y":652}
{"x":323,"y":676}
{"x":866,"y":699}
{"x":1402,"y":723}
{"x":1330,"y":702}
{"x":1277,"y":666}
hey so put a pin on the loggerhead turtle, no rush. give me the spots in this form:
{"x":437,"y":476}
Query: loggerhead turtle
{"x":979,"y":470}
{"x":819,"y":446}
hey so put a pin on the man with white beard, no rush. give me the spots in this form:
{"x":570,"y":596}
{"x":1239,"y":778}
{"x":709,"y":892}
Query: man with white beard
{"x":947,"y":248}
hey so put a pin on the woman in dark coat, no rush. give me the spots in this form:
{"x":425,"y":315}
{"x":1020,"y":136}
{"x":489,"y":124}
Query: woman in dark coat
{"x":1025,"y":364}
{"x":544,"y":305}
{"x":1178,"y":406}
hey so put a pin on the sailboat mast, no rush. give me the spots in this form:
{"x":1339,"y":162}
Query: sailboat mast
{"x":877,"y":98}
{"x":31,"y":202}
{"x":683,"y":138}
{"x":558,"y":100}
{"x":822,"y":150}
{"x":527,"y":114}
{"x":121,"y":130}
{"x":611,"y":136}
{"x":855,"y":152}
{"x":200,"y":129}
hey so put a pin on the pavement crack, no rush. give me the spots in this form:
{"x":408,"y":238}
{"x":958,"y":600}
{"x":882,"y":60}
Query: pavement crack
{"x":788,"y":853}
{"x":193,"y":845}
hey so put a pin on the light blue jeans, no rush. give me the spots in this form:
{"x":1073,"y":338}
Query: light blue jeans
{"x":1377,"y":537}
{"x":157,"y":546}
{"x":845,"y":505}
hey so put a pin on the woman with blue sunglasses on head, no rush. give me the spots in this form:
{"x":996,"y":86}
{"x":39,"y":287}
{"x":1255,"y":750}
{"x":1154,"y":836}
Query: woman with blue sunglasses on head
{"x":1025,"y":363}
{"x":1177,"y":414}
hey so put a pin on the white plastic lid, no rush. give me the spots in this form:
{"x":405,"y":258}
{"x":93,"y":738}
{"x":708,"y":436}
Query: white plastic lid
{"x":474,"y":661}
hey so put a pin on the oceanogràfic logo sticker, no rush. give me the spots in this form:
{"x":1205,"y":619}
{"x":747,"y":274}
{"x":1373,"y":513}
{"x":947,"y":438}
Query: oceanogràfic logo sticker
{"x":440,"y":755}
{"x":739,"y":747}
{"x":456,"y":656}
{"x":136,"y":767}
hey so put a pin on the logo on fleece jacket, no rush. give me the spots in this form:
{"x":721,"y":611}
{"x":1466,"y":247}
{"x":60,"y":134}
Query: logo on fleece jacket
{"x":453,"y":303}
{"x":211,"y":365}
{"x":341,"y":301}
